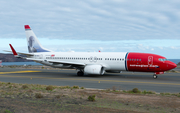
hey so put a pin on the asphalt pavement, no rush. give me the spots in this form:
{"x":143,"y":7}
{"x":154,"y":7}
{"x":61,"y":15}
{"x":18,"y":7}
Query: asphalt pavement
{"x":168,"y":82}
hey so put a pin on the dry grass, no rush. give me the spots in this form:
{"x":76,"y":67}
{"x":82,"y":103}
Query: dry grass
{"x":41,"y":98}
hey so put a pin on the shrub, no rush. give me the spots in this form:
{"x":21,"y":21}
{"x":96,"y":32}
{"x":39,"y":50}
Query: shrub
{"x":161,"y":93}
{"x":167,"y":94}
{"x":24,"y":86}
{"x":64,"y":87}
{"x":173,"y":71}
{"x":82,"y":87}
{"x":9,"y":83}
{"x":10,"y":87}
{"x":135,"y":90}
{"x":49,"y":88}
{"x":151,"y":92}
{"x":38,"y":95}
{"x":75,"y":87}
{"x":92,"y":98}
{"x":148,"y":92}
{"x":7,"y":111}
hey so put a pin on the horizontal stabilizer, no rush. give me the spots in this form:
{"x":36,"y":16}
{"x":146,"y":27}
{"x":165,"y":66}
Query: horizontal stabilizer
{"x":16,"y":54}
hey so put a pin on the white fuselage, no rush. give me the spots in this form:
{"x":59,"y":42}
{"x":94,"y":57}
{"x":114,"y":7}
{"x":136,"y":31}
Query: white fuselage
{"x":109,"y":60}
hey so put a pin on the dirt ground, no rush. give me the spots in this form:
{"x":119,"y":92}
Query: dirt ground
{"x":34,"y":98}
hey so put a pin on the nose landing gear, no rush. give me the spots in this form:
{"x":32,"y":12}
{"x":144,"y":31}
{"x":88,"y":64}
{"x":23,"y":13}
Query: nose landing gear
{"x":155,"y":76}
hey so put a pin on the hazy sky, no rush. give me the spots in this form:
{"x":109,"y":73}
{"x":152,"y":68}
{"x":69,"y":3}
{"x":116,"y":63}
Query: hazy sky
{"x":150,"y":26}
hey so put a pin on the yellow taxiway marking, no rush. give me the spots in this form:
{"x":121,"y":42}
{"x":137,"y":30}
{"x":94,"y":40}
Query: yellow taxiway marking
{"x":18,"y":72}
{"x":85,"y":79}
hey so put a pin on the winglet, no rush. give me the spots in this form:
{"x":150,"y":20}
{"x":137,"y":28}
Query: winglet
{"x":13,"y":50}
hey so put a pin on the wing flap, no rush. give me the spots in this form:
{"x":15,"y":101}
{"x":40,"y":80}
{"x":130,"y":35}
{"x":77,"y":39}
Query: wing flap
{"x":58,"y":62}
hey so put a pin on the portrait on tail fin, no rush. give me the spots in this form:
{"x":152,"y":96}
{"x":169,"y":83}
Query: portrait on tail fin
{"x":31,"y":44}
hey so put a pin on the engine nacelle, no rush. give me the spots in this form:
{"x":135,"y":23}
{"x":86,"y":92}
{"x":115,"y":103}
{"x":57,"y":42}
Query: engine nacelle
{"x":94,"y":69}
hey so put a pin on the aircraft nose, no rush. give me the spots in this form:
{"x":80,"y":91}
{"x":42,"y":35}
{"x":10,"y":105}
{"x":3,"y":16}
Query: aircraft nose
{"x":171,"y":65}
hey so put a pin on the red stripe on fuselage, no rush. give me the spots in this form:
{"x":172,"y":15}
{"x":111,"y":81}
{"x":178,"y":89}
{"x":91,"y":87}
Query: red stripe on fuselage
{"x":145,"y":62}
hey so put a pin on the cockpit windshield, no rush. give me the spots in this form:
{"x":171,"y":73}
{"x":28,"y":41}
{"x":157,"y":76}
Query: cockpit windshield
{"x":162,"y":59}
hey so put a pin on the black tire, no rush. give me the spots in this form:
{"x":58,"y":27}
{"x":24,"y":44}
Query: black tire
{"x":155,"y":76}
{"x":80,"y":73}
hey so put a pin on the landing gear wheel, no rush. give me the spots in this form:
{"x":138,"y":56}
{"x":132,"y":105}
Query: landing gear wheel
{"x":80,"y":73}
{"x":155,"y":76}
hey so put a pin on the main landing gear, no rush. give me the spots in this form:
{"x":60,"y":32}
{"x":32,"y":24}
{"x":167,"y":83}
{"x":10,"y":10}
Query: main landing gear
{"x":155,"y":76}
{"x":80,"y":73}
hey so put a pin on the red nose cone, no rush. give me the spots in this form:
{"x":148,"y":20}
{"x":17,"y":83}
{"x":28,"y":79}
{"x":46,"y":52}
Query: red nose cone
{"x":171,"y":65}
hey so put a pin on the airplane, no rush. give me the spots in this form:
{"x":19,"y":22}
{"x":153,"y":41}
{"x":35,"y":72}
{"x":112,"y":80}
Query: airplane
{"x":96,"y":63}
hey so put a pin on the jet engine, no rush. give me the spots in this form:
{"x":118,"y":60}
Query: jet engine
{"x":94,"y":69}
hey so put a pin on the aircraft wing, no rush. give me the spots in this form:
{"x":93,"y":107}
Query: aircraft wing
{"x":57,"y":62}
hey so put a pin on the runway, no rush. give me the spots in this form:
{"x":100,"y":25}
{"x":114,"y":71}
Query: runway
{"x":168,"y":82}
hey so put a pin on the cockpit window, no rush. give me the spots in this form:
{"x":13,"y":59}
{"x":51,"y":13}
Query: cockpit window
{"x":162,"y":59}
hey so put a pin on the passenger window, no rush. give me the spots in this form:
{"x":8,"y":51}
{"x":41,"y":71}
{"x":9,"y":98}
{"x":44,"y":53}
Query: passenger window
{"x":134,"y":59}
{"x":137,"y":59}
